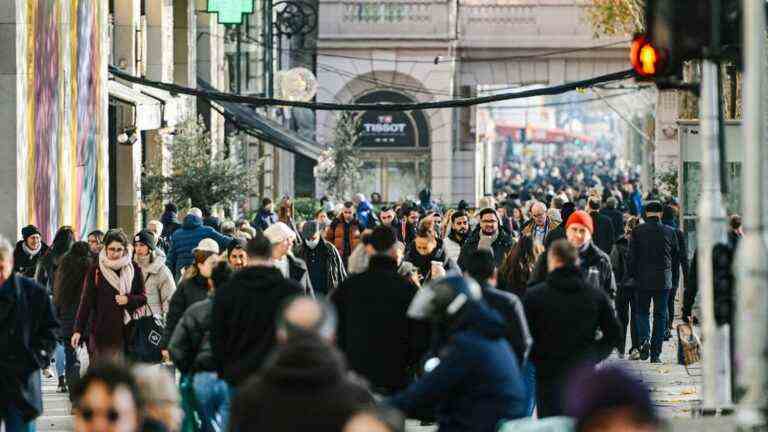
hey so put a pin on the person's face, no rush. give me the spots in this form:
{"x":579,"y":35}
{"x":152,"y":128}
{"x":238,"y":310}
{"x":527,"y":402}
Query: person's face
{"x":502,"y":211}
{"x":346,"y":213}
{"x":280,"y":249}
{"x":413,"y":217}
{"x":206,"y":267}
{"x":102,"y":411}
{"x":94,"y":244}
{"x":33,"y":241}
{"x":153,"y":229}
{"x":517,"y":214}
{"x":461,"y":225}
{"x":539,"y":216}
{"x":489,"y":224}
{"x":578,"y":235}
{"x":238,"y":258}
{"x":141,"y":249}
{"x":437,"y":220}
{"x":115,"y":251}
{"x":424,"y":246}
{"x":6,"y":266}
{"x":322,"y":218}
{"x":387,"y":217}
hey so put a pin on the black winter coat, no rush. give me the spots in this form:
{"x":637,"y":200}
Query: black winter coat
{"x":27,"y":341}
{"x":653,"y":250}
{"x":564,"y":314}
{"x":381,"y":343}
{"x":511,"y":309}
{"x":620,"y":263}
{"x":190,"y":346}
{"x":554,"y":235}
{"x":23,"y":263}
{"x":604,"y":236}
{"x":500,"y":247}
{"x":244,"y":313}
{"x":424,"y":263}
{"x":617,"y":218}
{"x":189,"y":292}
{"x":298,"y":272}
{"x":325,"y":262}
{"x":591,"y":258}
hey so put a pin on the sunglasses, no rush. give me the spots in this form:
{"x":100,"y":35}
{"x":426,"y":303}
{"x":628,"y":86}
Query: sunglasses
{"x":88,"y":414}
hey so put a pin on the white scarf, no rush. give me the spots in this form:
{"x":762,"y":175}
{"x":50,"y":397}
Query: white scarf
{"x":121,"y":283}
{"x":31,"y":252}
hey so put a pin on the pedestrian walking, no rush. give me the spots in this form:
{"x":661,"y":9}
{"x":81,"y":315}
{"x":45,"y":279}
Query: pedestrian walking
{"x":237,"y":256}
{"x":244,"y":313}
{"x":611,"y":212}
{"x":67,"y":291}
{"x":559,"y":232}
{"x":194,"y":287}
{"x":364,"y":212}
{"x":107,"y":398}
{"x":344,"y":232}
{"x":282,"y":238}
{"x":156,"y":228}
{"x":27,"y":339}
{"x":603,"y":234}
{"x":564,"y":314}
{"x":28,"y":251}
{"x":210,"y":220}
{"x":680,"y":265}
{"x":160,"y":400}
{"x":626,"y":291}
{"x":113,"y":291}
{"x":95,"y":243}
{"x":653,"y":250}
{"x":475,"y":381}
{"x":518,"y":266}
{"x":372,"y":307}
{"x":539,"y":225}
{"x":428,"y":256}
{"x":192,"y":353}
{"x":170,"y":221}
{"x":285,"y":214}
{"x":457,"y":235}
{"x":324,"y":264}
{"x":489,"y":236}
{"x":185,"y":239}
{"x":158,"y":280}
{"x":265,"y":216}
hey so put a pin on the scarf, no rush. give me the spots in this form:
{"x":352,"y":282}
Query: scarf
{"x":121,"y":283}
{"x":31,"y":252}
{"x":486,"y":241}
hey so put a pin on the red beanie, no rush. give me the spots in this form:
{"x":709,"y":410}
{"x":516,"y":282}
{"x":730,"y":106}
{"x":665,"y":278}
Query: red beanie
{"x":583,"y":218}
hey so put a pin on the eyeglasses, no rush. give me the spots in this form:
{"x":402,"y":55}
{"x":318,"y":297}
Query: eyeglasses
{"x":88,"y":414}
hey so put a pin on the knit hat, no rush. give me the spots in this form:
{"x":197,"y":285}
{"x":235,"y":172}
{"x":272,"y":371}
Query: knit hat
{"x":28,"y":231}
{"x":654,"y":207}
{"x":310,"y":229}
{"x":236,"y":244}
{"x":583,"y":218}
{"x":279,"y":232}
{"x":207,"y":245}
{"x":146,"y":238}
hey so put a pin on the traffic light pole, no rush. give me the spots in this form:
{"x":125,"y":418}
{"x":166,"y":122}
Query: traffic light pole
{"x":752,"y":254}
{"x":711,"y":230}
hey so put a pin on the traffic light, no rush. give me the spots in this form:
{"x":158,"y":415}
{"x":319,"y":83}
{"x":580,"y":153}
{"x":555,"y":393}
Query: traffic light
{"x":648,"y":60}
{"x":722,"y":262}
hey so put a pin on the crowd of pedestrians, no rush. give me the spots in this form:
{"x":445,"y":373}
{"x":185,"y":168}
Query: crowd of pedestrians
{"x":471,"y":318}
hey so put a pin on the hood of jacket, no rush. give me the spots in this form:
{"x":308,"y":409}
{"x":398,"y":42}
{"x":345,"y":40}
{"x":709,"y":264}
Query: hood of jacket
{"x":479,"y":317}
{"x":306,"y":363}
{"x":191,"y":222}
{"x":567,"y":279}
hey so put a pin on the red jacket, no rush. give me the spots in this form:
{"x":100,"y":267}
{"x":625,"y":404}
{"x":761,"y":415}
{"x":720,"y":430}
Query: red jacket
{"x":335,"y":235}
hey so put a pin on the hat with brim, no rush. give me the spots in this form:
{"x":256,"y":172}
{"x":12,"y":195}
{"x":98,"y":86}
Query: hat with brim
{"x":207,"y":245}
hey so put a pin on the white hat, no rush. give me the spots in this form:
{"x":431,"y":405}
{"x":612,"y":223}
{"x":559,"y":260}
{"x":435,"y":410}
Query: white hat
{"x":279,"y":232}
{"x":207,"y":245}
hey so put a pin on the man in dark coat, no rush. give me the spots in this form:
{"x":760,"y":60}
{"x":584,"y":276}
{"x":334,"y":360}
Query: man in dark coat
{"x":680,"y":265}
{"x":612,"y":213}
{"x":282,"y":238}
{"x":476,"y":380}
{"x":372,"y":307}
{"x":266,"y":216}
{"x":489,"y":236}
{"x":210,"y":220}
{"x":426,"y":251}
{"x":28,"y":251}
{"x":326,"y":269}
{"x":170,"y":221}
{"x":244,"y":312}
{"x":559,"y":233}
{"x":564,"y":314}
{"x":604,"y":235}
{"x":653,"y":250}
{"x":188,"y":237}
{"x":27,"y":340}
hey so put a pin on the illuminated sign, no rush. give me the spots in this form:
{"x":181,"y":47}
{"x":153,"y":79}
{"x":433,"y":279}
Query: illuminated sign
{"x":230,"y":11}
{"x":390,"y":129}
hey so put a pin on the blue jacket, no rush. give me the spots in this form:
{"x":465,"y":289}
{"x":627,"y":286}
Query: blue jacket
{"x":187,"y":238}
{"x":478,"y":381}
{"x":365,"y":215}
{"x":264,"y":219}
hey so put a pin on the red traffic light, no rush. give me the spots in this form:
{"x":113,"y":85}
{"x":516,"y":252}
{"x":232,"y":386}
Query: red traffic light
{"x":647,"y":60}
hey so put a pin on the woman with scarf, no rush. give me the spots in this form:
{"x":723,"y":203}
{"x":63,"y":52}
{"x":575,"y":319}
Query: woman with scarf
{"x":113,"y":291}
{"x":158,"y":280}
{"x":28,"y":251}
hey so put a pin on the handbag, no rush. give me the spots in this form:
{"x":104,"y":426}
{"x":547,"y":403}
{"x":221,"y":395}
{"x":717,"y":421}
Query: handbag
{"x":688,"y":347}
{"x":144,"y":336}
{"x":83,"y":359}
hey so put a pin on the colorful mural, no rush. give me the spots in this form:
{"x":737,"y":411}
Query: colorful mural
{"x":64,"y":121}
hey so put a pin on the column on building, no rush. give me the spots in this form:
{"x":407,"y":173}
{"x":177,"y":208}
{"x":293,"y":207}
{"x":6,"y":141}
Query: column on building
{"x":210,"y":67}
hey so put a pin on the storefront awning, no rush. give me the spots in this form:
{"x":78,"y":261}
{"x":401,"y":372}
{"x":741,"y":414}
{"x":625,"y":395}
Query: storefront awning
{"x":264,"y":128}
{"x":149,"y":111}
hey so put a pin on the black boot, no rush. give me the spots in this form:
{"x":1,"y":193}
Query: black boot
{"x":62,"y":384}
{"x":645,"y":351}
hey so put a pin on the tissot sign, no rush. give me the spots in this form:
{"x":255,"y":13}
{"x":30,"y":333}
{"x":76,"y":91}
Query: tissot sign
{"x":391,"y":128}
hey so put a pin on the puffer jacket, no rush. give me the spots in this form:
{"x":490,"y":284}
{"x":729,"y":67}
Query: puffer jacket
{"x":24,"y":264}
{"x":190,"y":346}
{"x":187,"y":238}
{"x":158,"y":284}
{"x":335,"y":235}
{"x":190,"y":291}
